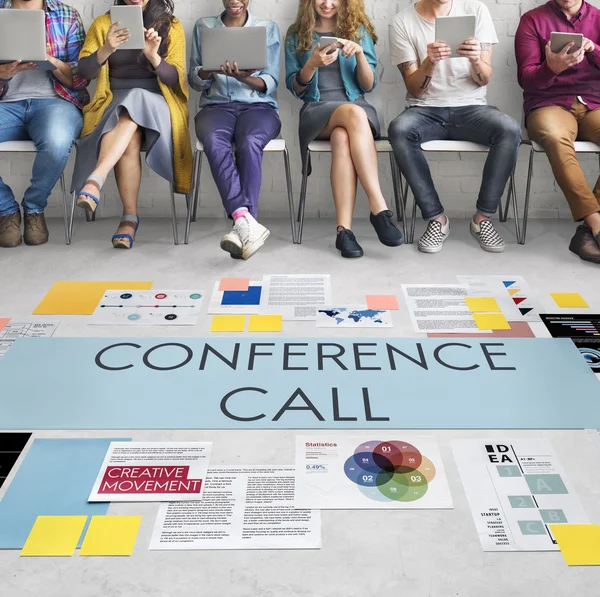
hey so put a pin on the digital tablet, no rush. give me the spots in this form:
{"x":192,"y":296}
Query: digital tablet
{"x":454,"y":31}
{"x":559,"y":40}
{"x":23,"y":37}
{"x":245,"y":45}
{"x":130,"y":17}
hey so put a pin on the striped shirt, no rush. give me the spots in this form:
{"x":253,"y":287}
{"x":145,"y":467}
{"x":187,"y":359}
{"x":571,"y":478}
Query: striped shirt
{"x":64,"y":39}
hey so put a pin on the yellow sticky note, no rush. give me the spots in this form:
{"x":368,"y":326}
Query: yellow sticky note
{"x":265,"y":323}
{"x":482,"y":305}
{"x":567,"y":300}
{"x":81,"y":298}
{"x":228,"y":323}
{"x":54,"y":536}
{"x":579,"y":543}
{"x":495,"y":321}
{"x":111,"y":536}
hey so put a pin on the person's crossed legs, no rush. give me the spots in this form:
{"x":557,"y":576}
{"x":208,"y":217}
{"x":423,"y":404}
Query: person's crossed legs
{"x":238,"y":177}
{"x":354,"y":155}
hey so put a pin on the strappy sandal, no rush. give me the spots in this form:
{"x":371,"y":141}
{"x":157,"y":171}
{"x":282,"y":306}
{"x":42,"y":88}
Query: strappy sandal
{"x":125,"y":241}
{"x":86,"y":200}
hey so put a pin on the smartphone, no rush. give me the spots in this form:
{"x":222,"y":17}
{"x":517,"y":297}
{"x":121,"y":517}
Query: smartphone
{"x":130,"y":17}
{"x":559,"y":40}
{"x":328,"y":41}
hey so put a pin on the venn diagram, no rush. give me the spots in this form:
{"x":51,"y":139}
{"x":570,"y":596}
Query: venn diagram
{"x":390,"y":470}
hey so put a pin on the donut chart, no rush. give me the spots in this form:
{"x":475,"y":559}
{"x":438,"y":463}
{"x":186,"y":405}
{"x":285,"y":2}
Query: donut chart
{"x":390,"y":470}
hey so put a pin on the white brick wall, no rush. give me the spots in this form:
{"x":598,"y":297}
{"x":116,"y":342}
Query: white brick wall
{"x":459,"y":177}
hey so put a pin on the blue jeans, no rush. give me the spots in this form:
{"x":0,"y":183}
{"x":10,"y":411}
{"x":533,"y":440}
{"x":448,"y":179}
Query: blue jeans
{"x":53,"y":125}
{"x":480,"y":124}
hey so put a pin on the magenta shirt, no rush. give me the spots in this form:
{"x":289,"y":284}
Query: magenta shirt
{"x":542,"y":87}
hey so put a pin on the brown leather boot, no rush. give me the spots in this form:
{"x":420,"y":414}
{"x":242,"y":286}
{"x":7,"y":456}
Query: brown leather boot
{"x":10,"y":230}
{"x":585,"y":245}
{"x":36,"y":231}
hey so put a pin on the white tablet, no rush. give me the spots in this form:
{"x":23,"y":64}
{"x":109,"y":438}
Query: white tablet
{"x":453,"y":31}
{"x":130,"y":17}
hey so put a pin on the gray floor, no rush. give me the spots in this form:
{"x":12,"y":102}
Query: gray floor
{"x":364,"y":553}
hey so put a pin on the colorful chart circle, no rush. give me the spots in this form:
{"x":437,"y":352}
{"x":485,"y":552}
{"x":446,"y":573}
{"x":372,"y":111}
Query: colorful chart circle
{"x":390,"y":470}
{"x":170,"y":317}
{"x":126,"y":295}
{"x":134,"y":317}
{"x":160,"y":296}
{"x":195,"y":296}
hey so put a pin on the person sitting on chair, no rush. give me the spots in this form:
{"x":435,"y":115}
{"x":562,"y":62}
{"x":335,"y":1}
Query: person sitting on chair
{"x":562,"y":101}
{"x":446,"y":100}
{"x":140,"y":102}
{"x":45,"y":107}
{"x":238,"y":108}
{"x":332,"y":81}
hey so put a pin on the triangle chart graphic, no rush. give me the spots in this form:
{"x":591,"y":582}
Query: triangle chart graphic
{"x":508,"y":283}
{"x":524,"y":311}
{"x":513,"y":291}
{"x":519,"y":300}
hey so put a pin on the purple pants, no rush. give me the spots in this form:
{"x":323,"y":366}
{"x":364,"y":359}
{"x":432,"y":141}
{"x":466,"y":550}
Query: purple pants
{"x":250,"y":127}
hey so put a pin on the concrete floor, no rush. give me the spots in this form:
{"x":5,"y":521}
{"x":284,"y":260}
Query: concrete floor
{"x":364,"y":553}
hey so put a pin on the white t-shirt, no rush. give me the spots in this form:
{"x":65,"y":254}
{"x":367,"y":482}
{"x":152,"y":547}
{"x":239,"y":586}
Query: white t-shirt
{"x":452,"y":83}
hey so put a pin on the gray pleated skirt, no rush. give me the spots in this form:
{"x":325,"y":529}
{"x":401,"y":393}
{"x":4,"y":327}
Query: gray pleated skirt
{"x":315,"y":115}
{"x":149,"y":110}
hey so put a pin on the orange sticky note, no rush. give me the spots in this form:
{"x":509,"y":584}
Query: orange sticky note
{"x":386,"y":302}
{"x":234,"y":284}
{"x":3,"y":322}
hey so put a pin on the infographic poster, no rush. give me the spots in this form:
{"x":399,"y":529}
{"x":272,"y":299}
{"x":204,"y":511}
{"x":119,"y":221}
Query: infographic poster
{"x":359,"y":472}
{"x":516,"y":490}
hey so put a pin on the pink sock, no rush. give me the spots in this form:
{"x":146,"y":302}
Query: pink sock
{"x":238,"y":213}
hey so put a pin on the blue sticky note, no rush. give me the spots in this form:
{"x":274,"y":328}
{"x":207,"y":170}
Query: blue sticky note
{"x":242,"y":297}
{"x":55,"y":479}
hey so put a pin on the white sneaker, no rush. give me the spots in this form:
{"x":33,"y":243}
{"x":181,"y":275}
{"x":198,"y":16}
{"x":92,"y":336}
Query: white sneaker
{"x":488,"y":237}
{"x":433,"y":238}
{"x":232,"y":243}
{"x":252,"y":234}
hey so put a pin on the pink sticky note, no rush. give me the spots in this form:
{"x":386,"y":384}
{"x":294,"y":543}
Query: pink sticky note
{"x":3,"y":322}
{"x":234,"y":284}
{"x":389,"y":302}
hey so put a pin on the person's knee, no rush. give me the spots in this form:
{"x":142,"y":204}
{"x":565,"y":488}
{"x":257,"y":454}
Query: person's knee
{"x":402,"y":130}
{"x":355,"y":118}
{"x":212,"y":140}
{"x":57,"y":143}
{"x":339,"y":139}
{"x":252,"y":144}
{"x":551,"y":136}
{"x":510,"y":130}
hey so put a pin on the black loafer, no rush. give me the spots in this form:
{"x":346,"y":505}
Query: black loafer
{"x":346,"y":243}
{"x":386,"y":229}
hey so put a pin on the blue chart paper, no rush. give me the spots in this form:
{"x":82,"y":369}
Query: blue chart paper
{"x":242,"y":297}
{"x":298,"y":383}
{"x":55,"y":479}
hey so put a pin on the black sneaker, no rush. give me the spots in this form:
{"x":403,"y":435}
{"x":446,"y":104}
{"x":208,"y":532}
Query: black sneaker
{"x":346,"y":243}
{"x":386,"y":229}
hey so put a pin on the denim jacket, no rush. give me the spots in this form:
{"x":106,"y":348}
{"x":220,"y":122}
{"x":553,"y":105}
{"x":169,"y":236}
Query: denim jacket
{"x":221,"y":89}
{"x":294,"y":63}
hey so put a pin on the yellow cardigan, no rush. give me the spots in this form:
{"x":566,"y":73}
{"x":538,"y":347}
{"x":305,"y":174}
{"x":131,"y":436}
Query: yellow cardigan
{"x":175,"y":97}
